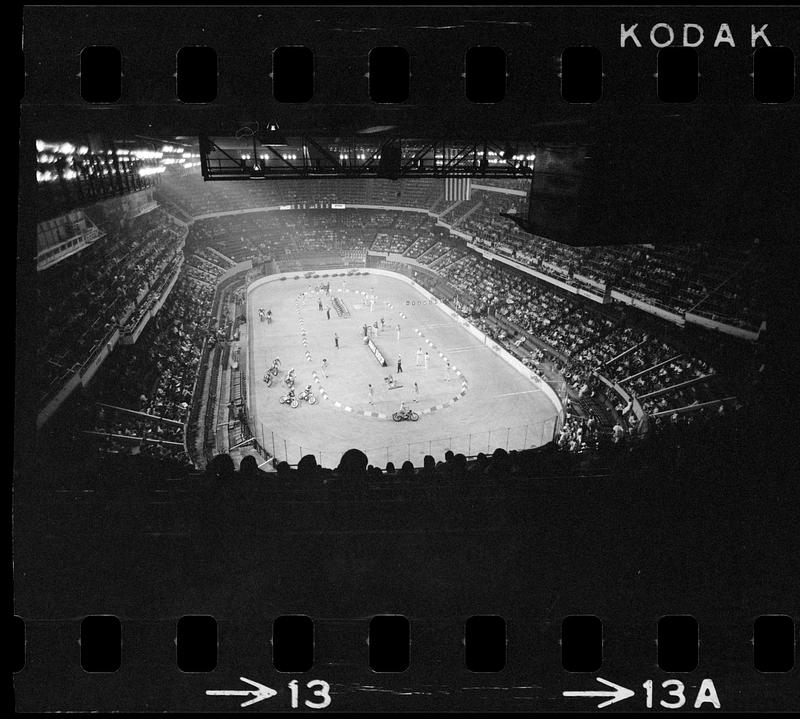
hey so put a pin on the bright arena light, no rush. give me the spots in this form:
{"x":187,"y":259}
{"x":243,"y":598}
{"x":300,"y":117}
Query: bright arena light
{"x":147,"y":154}
{"x":42,"y":145}
{"x":145,"y":171}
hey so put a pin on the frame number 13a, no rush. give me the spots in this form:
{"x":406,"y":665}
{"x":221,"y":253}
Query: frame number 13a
{"x":673,"y":692}
{"x":670,"y":694}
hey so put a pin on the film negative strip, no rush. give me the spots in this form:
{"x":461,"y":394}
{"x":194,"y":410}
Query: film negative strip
{"x":568,"y":236}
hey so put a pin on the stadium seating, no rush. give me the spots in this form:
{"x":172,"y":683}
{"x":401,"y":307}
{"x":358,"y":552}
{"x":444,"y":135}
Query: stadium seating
{"x":604,"y":353}
{"x":156,"y":376}
{"x":109,"y":286}
{"x":195,"y":197}
{"x":581,"y":337}
{"x":723,"y":283}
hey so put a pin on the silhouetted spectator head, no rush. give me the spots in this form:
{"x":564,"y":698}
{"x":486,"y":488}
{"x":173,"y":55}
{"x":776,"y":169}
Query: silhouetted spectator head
{"x":428,"y":464}
{"x":248,"y":467}
{"x":459,"y":463}
{"x":284,"y":470}
{"x":307,"y":466}
{"x":353,"y":461}
{"x":390,"y":468}
{"x":407,"y":467}
{"x":500,"y":460}
{"x":448,"y":456}
{"x":374,"y":472}
{"x":221,"y":467}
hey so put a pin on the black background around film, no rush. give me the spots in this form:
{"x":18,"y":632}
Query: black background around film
{"x":721,"y":165}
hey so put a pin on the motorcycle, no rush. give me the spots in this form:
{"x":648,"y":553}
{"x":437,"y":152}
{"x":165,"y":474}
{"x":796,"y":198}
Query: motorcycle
{"x":307,"y":396}
{"x":407,"y":414}
{"x":290,"y":400}
{"x":273,"y":370}
{"x":268,"y":379}
{"x":289,"y":380}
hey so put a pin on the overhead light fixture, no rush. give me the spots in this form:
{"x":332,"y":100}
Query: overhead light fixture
{"x":376,"y":129}
{"x":272,"y":136}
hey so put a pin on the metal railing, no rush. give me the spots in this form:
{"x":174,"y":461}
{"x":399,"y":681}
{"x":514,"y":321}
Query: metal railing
{"x":279,"y":448}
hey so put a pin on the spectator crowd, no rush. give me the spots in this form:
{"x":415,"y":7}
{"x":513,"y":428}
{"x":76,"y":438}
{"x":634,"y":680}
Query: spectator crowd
{"x":109,"y":286}
{"x":607,"y":354}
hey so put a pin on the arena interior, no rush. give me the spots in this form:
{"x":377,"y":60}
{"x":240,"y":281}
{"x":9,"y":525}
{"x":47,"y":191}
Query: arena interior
{"x":625,"y":344}
{"x":162,"y":310}
{"x":481,"y":420}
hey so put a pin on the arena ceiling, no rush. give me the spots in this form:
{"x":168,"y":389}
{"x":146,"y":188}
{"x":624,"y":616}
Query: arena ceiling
{"x":697,"y":156}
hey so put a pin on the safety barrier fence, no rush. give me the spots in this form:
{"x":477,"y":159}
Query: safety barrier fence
{"x":279,"y":448}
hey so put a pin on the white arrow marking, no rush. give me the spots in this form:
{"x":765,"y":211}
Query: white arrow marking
{"x":259,"y":693}
{"x":619,"y":694}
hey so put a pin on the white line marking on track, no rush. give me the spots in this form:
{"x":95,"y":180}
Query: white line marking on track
{"x":465,"y":349}
{"x":512,"y":394}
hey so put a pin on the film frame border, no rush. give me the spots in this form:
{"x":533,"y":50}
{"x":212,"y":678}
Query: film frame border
{"x":58,"y":88}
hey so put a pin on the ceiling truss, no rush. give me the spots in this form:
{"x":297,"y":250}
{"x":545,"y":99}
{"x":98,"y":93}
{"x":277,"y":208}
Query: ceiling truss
{"x":392,"y":157}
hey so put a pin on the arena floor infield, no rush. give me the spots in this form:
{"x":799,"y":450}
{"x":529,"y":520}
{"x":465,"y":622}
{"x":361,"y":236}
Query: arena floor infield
{"x":480,"y":403}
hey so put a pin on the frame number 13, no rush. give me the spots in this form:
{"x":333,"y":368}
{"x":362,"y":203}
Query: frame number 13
{"x":318,"y":688}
